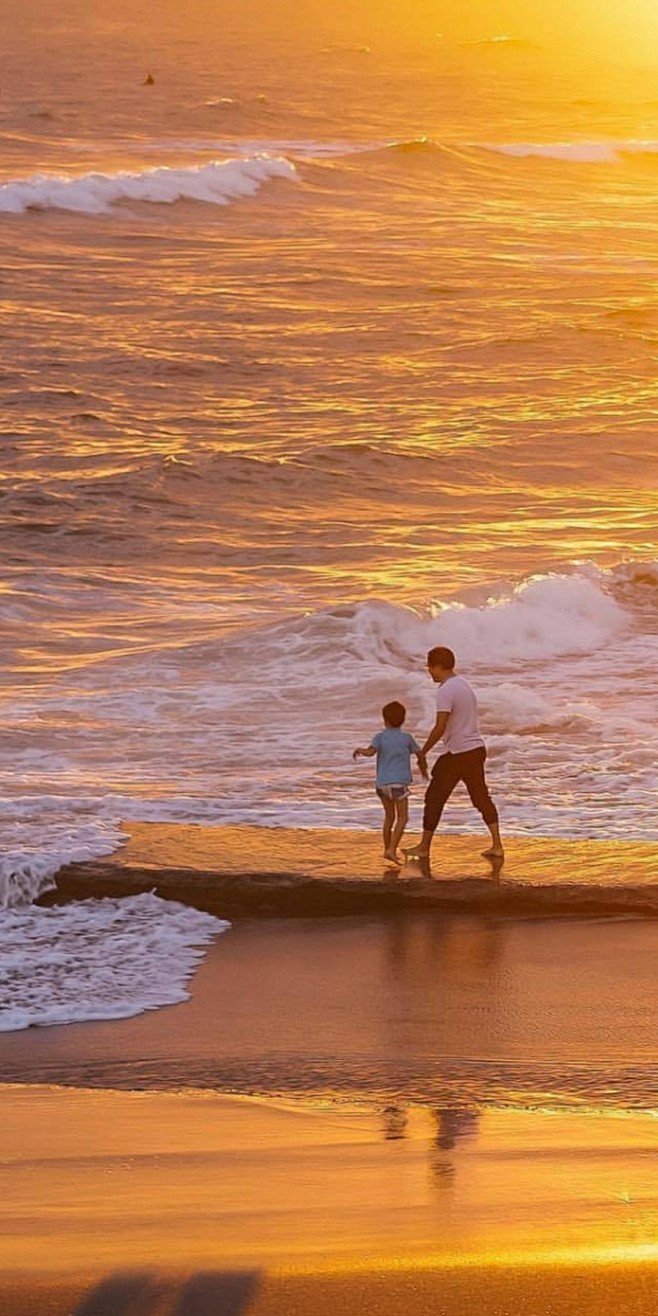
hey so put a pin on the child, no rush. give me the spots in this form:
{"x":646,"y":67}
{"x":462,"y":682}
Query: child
{"x":393,"y":748}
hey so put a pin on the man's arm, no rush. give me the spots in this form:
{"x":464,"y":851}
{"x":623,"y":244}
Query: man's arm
{"x":436,"y":733}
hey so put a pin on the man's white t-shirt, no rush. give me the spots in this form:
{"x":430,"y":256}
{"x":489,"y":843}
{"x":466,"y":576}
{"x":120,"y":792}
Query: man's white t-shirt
{"x":456,"y":697}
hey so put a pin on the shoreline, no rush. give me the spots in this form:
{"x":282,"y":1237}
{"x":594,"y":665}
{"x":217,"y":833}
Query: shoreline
{"x":246,"y":871}
{"x":450,"y":1011}
{"x":375,"y":1201}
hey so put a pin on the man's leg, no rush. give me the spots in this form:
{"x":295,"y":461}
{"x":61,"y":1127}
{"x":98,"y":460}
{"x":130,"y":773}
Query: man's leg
{"x":472,"y":775}
{"x":442,"y":783}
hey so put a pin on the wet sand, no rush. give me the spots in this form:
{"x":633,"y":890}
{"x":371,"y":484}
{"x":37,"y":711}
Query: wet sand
{"x":418,"y":1007}
{"x":241,"y":870}
{"x":348,"y":1208}
{"x":439,"y":1122}
{"x":539,"y":1289}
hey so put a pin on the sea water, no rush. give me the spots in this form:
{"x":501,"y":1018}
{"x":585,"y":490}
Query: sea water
{"x":316,"y":353}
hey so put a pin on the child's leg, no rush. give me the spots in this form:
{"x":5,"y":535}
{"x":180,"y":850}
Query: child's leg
{"x":389,"y":821}
{"x":401,"y":819}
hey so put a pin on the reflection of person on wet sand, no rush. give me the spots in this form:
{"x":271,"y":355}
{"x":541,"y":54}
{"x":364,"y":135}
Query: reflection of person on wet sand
{"x":463,"y":758}
{"x":395,"y":1122}
{"x":451,"y":1127}
{"x":393,"y":748}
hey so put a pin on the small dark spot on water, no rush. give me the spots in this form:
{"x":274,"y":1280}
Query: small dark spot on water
{"x":40,"y":527}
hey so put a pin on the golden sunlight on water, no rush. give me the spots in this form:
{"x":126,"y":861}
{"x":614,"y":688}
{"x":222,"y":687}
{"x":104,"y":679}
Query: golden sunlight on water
{"x":331,"y":339}
{"x":589,"y":29}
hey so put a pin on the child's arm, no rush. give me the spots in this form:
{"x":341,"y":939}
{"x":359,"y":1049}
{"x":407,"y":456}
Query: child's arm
{"x":364,"y":753}
{"x":421,"y":757}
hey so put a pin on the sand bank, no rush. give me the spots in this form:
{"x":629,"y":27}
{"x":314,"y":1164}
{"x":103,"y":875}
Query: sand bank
{"x":284,"y":872}
{"x":355,"y":1200}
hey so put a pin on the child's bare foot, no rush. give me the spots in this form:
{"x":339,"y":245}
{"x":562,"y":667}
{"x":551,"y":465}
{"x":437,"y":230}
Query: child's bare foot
{"x":392,"y":858}
{"x":493,"y":853}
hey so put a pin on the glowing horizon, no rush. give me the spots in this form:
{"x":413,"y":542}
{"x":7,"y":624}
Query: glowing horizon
{"x":622,"y":29}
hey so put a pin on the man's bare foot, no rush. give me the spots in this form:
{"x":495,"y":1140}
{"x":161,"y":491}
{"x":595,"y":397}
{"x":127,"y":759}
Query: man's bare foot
{"x":493,"y":853}
{"x":415,"y":852}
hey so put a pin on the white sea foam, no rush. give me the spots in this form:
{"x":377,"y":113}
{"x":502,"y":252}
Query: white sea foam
{"x":43,"y":833}
{"x":543,"y":618}
{"x":98,"y":959}
{"x":216,"y":183}
{"x":583,"y":152}
{"x":172,"y":730}
{"x":523,"y":711}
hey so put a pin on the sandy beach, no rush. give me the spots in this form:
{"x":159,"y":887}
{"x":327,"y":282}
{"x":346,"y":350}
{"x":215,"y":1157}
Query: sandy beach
{"x":335,"y":1205}
{"x":383,"y":1114}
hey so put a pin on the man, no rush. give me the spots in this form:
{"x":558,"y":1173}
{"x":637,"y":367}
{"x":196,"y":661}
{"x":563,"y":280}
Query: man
{"x":464,"y":757}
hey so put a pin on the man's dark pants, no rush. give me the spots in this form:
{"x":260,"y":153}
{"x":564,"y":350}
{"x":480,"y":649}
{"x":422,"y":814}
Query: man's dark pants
{"x":447,"y":772}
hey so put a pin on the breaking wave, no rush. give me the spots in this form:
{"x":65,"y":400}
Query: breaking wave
{"x":217,"y":183}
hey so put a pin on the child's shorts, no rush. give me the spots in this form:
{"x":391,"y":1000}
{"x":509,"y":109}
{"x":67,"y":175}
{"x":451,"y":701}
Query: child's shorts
{"x":392,"y":792}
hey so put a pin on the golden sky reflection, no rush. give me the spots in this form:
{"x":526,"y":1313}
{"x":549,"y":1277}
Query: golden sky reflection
{"x":520,"y":1189}
{"x":620,"y":27}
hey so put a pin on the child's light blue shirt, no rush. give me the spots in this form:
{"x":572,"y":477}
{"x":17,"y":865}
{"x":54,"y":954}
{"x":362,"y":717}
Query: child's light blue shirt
{"x":394,"y":749}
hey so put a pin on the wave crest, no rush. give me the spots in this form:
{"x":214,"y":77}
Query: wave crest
{"x":545,"y":617}
{"x":602,"y":152}
{"x":216,"y":183}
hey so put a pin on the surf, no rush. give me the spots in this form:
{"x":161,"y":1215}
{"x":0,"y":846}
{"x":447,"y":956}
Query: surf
{"x":217,"y":183}
{"x":575,"y":152}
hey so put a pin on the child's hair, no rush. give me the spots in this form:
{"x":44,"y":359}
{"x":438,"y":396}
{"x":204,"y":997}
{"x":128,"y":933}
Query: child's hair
{"x":394,"y":714}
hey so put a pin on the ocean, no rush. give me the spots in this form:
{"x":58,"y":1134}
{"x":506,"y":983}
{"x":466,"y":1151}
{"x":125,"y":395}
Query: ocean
{"x":316,"y":353}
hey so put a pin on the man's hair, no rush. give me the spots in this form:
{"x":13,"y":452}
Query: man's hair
{"x":441,"y":657}
{"x":394,"y":714}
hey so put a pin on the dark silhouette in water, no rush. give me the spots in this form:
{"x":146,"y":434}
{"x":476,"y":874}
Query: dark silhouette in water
{"x":149,"y":80}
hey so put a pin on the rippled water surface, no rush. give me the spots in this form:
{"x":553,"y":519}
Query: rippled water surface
{"x":316,"y":353}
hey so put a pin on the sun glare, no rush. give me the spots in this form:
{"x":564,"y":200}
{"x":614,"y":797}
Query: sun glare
{"x":618,"y":28}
